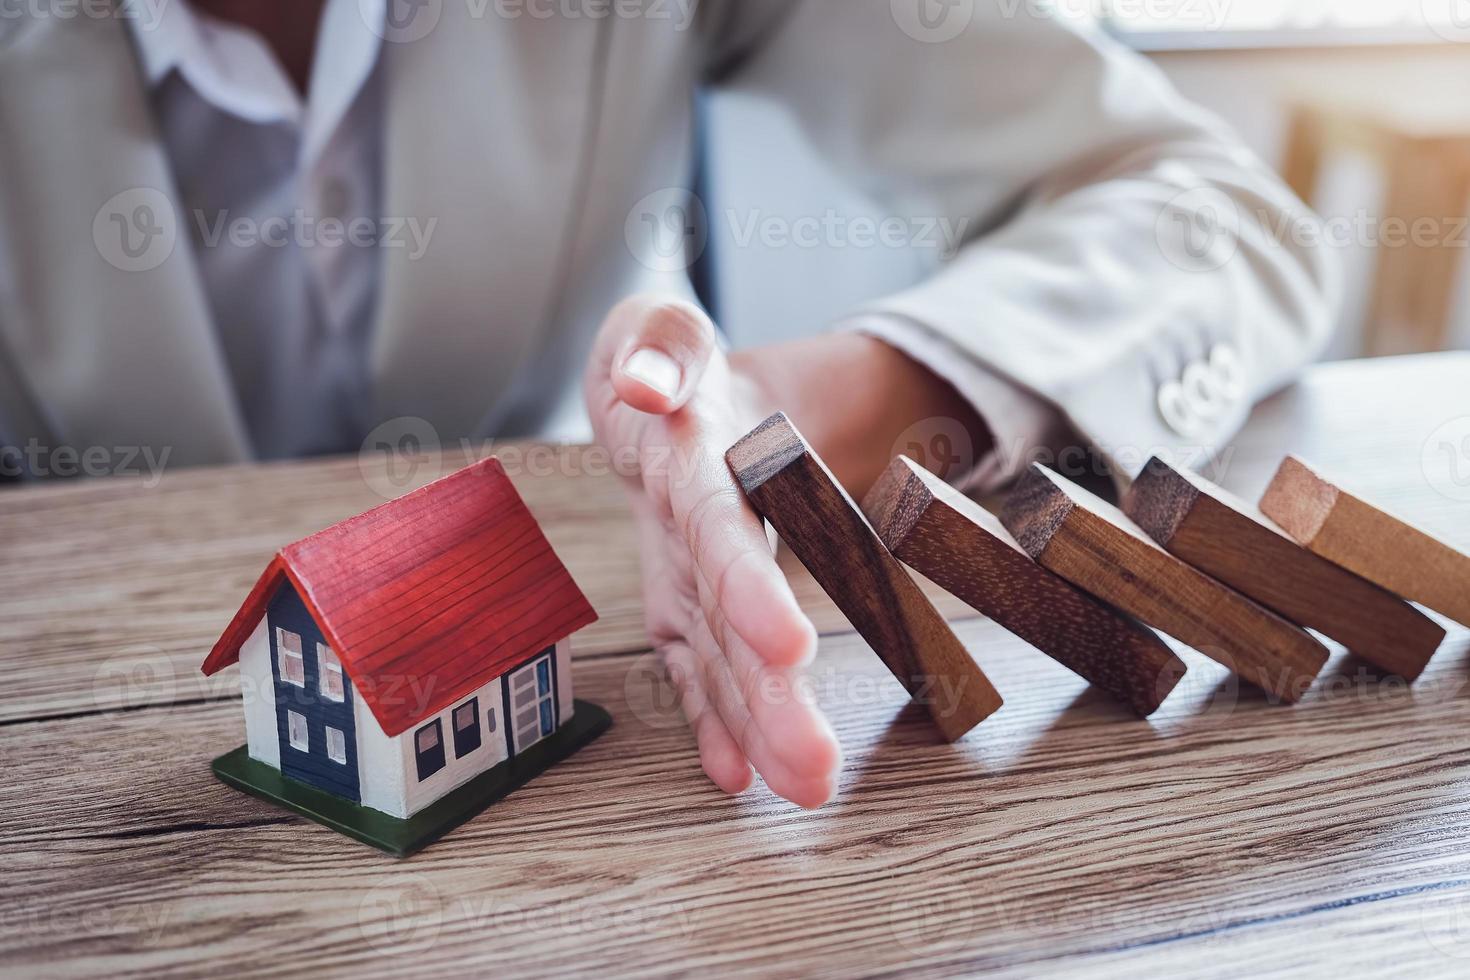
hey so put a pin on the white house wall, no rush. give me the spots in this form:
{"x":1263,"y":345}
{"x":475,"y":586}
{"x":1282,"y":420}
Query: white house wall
{"x":388,"y":767}
{"x":379,"y":766}
{"x":492,"y":751}
{"x":564,"y":681}
{"x":258,"y":691}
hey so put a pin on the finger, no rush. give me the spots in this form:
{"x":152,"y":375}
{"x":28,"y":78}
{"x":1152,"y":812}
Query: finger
{"x":654,"y":352}
{"x":719,"y":755}
{"x":733,"y":555}
{"x":778,"y":702}
{"x":670,"y":601}
{"x":808,"y":791}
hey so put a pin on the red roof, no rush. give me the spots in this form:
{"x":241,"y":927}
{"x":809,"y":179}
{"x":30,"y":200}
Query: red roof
{"x":426,"y":598}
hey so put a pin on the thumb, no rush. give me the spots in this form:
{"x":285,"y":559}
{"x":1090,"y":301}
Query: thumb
{"x":654,"y":352}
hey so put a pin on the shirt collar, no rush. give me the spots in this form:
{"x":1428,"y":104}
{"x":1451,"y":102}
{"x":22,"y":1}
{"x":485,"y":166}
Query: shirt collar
{"x":348,"y":47}
{"x":231,"y":68}
{"x":157,"y":43}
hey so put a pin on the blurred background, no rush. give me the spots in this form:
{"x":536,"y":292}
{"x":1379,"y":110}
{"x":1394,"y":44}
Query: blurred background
{"x":1362,"y":104}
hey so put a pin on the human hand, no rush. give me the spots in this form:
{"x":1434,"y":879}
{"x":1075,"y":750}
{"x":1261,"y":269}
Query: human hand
{"x":717,"y":606}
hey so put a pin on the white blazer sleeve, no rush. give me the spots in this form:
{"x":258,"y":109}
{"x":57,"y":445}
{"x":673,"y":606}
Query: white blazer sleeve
{"x":1126,"y":259}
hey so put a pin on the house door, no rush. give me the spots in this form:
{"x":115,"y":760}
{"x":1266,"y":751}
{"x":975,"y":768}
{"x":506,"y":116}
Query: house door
{"x":314,"y":712}
{"x":530,"y":701}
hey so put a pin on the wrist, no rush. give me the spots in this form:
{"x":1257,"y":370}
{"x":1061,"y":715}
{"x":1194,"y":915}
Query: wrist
{"x":855,"y":398}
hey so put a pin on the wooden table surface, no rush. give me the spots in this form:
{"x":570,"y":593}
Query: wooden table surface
{"x":1225,"y":836}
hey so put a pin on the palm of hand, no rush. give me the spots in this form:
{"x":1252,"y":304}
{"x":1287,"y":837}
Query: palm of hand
{"x":716,"y":605}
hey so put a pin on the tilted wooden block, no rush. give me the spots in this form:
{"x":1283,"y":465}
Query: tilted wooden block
{"x":1094,"y":545}
{"x":958,"y":544}
{"x":1229,"y":539}
{"x":1382,"y":548}
{"x":791,"y":487}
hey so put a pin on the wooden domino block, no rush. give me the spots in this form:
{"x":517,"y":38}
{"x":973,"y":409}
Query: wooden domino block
{"x":1386,"y":550}
{"x":1094,"y":545}
{"x":1227,"y":538}
{"x":962,"y":547}
{"x":790,"y":486}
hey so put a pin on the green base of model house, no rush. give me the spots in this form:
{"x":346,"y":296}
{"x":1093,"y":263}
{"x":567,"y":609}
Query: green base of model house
{"x":403,"y":837}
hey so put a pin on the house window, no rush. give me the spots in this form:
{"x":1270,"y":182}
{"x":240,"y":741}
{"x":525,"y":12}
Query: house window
{"x":466,"y":728}
{"x":329,"y":673}
{"x":428,"y":749}
{"x":532,"y":703}
{"x":296,"y":732}
{"x":288,"y":650}
{"x":336,"y":746}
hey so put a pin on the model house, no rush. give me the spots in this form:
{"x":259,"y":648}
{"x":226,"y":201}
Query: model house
{"x":402,"y":654}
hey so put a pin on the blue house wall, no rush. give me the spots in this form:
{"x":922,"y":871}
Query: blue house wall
{"x":314,"y":766}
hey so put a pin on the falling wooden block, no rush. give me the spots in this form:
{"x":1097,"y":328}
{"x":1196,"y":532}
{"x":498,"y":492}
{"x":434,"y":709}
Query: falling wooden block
{"x":791,"y":487}
{"x":1229,"y":539}
{"x":962,"y":547}
{"x":1094,"y":545}
{"x":1386,"y":550}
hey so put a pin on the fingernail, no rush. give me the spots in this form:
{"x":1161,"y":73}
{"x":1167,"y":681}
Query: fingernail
{"x":656,"y":369}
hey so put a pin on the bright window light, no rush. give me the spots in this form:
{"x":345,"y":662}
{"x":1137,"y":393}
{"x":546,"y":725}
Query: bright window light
{"x":1149,"y":16}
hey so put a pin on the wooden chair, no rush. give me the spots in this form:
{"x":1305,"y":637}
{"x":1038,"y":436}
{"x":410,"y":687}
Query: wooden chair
{"x":1427,"y":167}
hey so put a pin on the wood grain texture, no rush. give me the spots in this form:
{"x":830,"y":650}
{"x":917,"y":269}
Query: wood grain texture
{"x":1093,"y":545}
{"x":1228,"y":539}
{"x":1387,"y":550}
{"x":1219,"y":838}
{"x":118,"y":610}
{"x":1074,"y":838}
{"x":959,"y":545}
{"x":790,"y":486}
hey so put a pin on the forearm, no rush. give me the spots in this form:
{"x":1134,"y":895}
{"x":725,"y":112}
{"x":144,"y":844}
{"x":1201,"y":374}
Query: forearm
{"x":854,"y":396}
{"x":1113,"y":242}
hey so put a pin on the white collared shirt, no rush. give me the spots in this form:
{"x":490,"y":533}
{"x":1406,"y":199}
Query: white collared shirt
{"x":280,"y":196}
{"x":270,"y":186}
